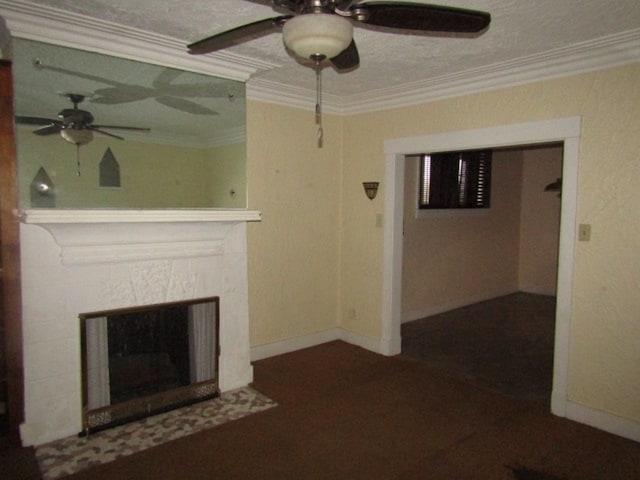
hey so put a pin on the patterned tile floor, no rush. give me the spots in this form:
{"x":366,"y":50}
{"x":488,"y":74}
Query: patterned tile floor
{"x":70,"y":455}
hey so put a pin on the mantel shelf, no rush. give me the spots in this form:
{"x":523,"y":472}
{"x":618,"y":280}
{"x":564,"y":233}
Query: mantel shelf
{"x":53,"y":216}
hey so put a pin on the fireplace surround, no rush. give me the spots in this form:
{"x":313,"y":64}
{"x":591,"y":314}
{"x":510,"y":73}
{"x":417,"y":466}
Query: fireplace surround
{"x":145,"y":360}
{"x":76,"y":261}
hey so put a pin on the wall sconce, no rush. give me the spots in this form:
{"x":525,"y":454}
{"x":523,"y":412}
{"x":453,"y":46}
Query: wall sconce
{"x":555,"y":187}
{"x":371,"y":189}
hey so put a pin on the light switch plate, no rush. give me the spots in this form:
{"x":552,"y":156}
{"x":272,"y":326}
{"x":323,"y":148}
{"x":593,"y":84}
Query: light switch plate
{"x":584,"y":232}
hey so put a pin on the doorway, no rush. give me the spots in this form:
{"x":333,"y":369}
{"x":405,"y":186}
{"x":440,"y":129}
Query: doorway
{"x":479,"y":284}
{"x":566,"y":131}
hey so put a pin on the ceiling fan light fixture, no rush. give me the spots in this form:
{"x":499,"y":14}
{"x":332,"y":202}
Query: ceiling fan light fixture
{"x":317,"y":35}
{"x":76,"y":136}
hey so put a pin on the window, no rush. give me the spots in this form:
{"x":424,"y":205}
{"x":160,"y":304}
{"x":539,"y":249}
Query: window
{"x":455,"y":180}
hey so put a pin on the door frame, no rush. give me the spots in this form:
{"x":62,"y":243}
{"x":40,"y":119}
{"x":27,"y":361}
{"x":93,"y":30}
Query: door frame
{"x":564,"y":130}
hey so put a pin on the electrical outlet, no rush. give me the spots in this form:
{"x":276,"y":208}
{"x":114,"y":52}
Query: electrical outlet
{"x":584,"y":232}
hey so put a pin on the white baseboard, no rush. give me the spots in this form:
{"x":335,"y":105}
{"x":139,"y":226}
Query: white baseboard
{"x":292,"y":344}
{"x":608,"y":422}
{"x":458,"y":303}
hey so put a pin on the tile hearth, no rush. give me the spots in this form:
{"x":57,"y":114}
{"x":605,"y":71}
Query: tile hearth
{"x":64,"y":457}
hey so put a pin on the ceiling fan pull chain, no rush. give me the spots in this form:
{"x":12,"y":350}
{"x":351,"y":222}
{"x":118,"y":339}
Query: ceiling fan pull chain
{"x":78,"y":159}
{"x":319,"y":101}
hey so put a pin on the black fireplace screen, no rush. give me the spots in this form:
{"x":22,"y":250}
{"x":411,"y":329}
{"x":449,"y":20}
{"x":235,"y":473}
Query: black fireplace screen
{"x":144,"y":360}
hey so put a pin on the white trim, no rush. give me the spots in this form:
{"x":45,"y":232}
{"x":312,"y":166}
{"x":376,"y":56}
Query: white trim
{"x":597,"y":54}
{"x":293,"y":344}
{"x":51,"y":216}
{"x":298,"y":343}
{"x":565,"y":130}
{"x":603,"y":420}
{"x":68,"y":29}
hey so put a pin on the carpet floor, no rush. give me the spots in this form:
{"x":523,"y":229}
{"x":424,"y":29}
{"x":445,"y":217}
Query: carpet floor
{"x":505,"y":344}
{"x":346,"y":413}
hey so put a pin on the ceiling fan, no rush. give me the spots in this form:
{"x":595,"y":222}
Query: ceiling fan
{"x":323,"y":29}
{"x":73,"y":124}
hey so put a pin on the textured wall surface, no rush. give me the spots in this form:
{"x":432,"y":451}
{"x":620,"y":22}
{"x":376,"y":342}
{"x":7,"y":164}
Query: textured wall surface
{"x":604,"y":363}
{"x":294,"y":249}
{"x":458,"y":257}
{"x":539,"y":220}
{"x":316,"y":259}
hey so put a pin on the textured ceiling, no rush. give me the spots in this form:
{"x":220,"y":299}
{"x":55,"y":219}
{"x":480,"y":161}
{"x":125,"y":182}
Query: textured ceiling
{"x":519,"y":28}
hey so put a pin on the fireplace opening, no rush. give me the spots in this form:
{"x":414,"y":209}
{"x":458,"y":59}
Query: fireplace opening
{"x":141,"y":361}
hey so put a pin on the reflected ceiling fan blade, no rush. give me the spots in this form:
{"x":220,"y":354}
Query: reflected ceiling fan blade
{"x":121,"y":94}
{"x":48,"y":130}
{"x":238,"y":35}
{"x":165,"y":77}
{"x":348,"y":58}
{"x":185,"y":106}
{"x":201,"y":90}
{"x":35,"y":120}
{"x":102,"y":132}
{"x":119,"y":127}
{"x":420,"y":17}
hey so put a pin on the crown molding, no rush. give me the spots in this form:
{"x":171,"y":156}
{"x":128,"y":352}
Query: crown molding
{"x":50,"y":25}
{"x":288,"y":95}
{"x":605,"y":52}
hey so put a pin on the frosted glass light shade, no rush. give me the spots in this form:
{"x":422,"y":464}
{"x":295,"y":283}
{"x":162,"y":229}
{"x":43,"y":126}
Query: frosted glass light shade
{"x":317,"y":34}
{"x":77,"y":136}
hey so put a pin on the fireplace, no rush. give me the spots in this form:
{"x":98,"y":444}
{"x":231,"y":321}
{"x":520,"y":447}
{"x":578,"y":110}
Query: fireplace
{"x":141,"y":361}
{"x":76,"y":262}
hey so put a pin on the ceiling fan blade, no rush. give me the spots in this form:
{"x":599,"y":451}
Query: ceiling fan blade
{"x":48,"y":130}
{"x":348,"y":58}
{"x":97,"y":130}
{"x":185,"y":106}
{"x":237,"y":35}
{"x":121,"y":94}
{"x":118,"y":127}
{"x":420,"y":17}
{"x":35,"y":120}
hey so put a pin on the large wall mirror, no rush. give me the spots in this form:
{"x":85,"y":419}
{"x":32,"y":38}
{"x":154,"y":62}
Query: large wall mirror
{"x":95,"y":131}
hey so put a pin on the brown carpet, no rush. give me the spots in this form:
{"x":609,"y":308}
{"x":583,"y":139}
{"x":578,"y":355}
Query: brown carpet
{"x":346,"y":413}
{"x":505,"y":344}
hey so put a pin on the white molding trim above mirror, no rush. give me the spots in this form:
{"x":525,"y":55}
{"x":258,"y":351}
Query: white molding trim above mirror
{"x":50,"y":25}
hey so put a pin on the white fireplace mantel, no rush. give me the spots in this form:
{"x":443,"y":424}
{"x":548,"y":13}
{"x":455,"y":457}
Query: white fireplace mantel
{"x":77,"y":216}
{"x":113,"y":236}
{"x":78,"y":261}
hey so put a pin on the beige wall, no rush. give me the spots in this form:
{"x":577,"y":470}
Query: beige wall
{"x":317,"y":255}
{"x":454,"y":258}
{"x":294,"y":250}
{"x":539,"y":220}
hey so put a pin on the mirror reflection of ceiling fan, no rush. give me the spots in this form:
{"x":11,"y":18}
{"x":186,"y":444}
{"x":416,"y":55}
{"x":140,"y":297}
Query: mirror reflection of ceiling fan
{"x":164,"y":89}
{"x":322,"y":30}
{"x":73,"y":124}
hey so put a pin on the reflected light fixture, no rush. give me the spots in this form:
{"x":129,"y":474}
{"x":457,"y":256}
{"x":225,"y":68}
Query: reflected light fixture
{"x":371,"y":189}
{"x":76,"y":136}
